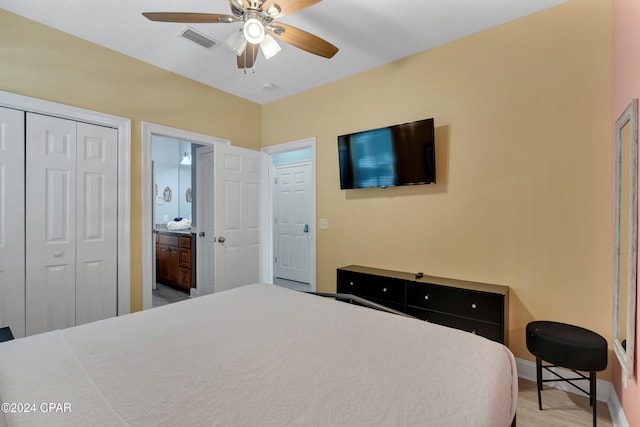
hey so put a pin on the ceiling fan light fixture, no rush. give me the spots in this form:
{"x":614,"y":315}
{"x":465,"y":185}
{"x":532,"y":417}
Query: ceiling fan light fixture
{"x":253,"y":31}
{"x":273,"y":10}
{"x":278,"y":30}
{"x":236,"y":42}
{"x":269,"y":46}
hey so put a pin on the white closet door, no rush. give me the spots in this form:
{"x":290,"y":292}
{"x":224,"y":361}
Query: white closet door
{"x":51,"y":217}
{"x":12,"y":220}
{"x":97,"y":229}
{"x":71,"y":233}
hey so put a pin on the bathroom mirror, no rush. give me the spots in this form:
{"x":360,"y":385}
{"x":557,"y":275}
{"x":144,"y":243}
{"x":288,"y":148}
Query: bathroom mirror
{"x":625,"y":236}
{"x":171,"y":171}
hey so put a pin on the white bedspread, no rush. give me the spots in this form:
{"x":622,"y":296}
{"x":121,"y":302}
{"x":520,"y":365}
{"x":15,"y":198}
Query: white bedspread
{"x":259,"y":355}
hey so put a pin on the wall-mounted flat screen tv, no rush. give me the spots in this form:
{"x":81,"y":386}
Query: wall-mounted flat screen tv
{"x":386,"y":157}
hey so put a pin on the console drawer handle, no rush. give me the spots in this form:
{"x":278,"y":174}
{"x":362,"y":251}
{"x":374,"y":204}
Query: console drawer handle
{"x":474,"y":306}
{"x":384,"y":289}
{"x":426,"y":297}
{"x":351,"y":283}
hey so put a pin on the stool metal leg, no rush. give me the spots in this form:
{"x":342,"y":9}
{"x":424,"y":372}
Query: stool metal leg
{"x":592,"y":398}
{"x":539,"y":380}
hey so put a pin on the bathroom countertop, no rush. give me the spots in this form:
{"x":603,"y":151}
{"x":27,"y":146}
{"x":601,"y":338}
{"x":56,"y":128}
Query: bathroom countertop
{"x":164,"y":230}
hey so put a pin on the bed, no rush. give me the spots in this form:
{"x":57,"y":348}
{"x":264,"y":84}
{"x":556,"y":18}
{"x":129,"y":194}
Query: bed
{"x":258,"y":355}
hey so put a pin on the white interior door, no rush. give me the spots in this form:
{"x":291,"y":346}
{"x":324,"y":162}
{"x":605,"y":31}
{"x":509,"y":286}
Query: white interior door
{"x":205,"y":246}
{"x":240,"y":193}
{"x":96,"y":232}
{"x":12,"y":267}
{"x":51,"y":217}
{"x":71,"y":204}
{"x":292,"y":221}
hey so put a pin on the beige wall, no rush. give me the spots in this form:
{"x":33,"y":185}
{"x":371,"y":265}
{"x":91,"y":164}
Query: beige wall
{"x":523,"y":140}
{"x":40,"y":62}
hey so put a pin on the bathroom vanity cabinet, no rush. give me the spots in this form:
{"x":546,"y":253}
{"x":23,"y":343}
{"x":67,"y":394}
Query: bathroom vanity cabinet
{"x":174,"y":260}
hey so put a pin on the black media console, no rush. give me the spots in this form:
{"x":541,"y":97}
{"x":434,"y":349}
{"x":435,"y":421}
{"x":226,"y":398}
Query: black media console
{"x":478,"y":308}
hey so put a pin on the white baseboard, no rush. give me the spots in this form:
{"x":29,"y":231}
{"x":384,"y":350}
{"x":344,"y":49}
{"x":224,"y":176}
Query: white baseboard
{"x":615,"y":410}
{"x":604,"y":389}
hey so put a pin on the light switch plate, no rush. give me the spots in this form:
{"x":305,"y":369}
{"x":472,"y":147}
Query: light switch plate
{"x":324,"y":223}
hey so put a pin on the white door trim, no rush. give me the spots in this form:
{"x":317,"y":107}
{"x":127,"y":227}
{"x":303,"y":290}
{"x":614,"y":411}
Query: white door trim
{"x":148,"y":130}
{"x":281,"y":148}
{"x":123,"y":126}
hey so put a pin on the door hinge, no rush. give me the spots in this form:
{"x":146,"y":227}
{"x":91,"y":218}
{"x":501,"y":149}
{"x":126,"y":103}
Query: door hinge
{"x":275,"y":180}
{"x":275,"y":259}
{"x":275,"y":220}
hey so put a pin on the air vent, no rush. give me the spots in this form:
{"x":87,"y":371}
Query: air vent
{"x":199,"y":38}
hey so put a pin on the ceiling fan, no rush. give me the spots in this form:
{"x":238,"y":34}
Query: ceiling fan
{"x":258,"y":29}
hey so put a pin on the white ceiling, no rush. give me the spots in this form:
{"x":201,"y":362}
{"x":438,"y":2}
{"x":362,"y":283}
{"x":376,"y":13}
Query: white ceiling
{"x":368,"y":33}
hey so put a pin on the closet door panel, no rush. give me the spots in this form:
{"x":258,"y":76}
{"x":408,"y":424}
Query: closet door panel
{"x":12,"y":257}
{"x":50,"y":235}
{"x":96,"y":237}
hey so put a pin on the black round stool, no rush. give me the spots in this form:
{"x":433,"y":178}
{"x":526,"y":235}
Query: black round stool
{"x":567,"y":346}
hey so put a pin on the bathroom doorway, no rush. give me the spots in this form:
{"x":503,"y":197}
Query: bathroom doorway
{"x":235,"y":171}
{"x":174,"y":258}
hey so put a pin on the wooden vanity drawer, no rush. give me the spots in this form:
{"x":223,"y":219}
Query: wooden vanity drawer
{"x":462,"y":302}
{"x":185,"y":242}
{"x":184,"y":278}
{"x":185,"y":257}
{"x":167,"y":239}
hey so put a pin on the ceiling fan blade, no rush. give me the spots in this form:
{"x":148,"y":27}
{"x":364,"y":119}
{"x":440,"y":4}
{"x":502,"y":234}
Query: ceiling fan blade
{"x":213,"y":18}
{"x":287,"y":7}
{"x":248,"y":58}
{"x":303,"y":40}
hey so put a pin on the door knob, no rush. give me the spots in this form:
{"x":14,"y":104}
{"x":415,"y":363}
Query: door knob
{"x":58,"y":254}
{"x":306,"y":228}
{"x":221,"y":239}
{"x":201,"y":234}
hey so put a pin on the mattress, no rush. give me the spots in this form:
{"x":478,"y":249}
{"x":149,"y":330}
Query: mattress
{"x":258,"y":355}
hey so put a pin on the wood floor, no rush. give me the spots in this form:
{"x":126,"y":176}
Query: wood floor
{"x":560,"y":408}
{"x":164,"y":294}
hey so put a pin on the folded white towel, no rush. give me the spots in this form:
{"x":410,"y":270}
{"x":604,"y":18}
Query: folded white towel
{"x":179,"y":225}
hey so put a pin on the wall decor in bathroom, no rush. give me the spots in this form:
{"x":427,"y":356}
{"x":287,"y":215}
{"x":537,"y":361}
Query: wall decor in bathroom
{"x":166,"y":196}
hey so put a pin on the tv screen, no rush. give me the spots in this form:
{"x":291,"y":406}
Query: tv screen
{"x":386,"y":157}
